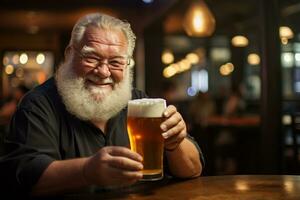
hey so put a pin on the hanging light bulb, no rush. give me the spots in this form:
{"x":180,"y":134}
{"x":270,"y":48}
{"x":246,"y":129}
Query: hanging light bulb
{"x":167,"y":57}
{"x":199,"y":21}
{"x":285,"y":33}
{"x":239,"y":41}
{"x":253,"y":59}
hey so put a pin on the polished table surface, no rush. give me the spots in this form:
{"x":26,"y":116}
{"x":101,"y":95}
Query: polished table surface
{"x":239,"y":187}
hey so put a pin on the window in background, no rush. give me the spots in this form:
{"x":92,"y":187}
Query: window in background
{"x":290,"y":62}
{"x":199,"y":82}
{"x":220,"y":54}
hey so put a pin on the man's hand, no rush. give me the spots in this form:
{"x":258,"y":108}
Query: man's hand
{"x":113,"y":166}
{"x":174,"y":128}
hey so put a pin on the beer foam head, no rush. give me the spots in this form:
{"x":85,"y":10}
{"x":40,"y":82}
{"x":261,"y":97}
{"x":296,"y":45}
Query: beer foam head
{"x":146,"y":107}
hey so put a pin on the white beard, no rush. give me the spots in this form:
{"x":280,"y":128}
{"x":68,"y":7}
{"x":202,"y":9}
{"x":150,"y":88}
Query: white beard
{"x":81,"y":101}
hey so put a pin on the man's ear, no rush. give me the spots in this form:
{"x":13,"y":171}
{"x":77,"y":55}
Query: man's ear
{"x":67,"y":51}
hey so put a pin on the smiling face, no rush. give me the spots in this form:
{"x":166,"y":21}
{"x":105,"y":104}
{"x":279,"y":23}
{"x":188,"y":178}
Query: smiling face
{"x":105,"y":47}
{"x":94,"y":82}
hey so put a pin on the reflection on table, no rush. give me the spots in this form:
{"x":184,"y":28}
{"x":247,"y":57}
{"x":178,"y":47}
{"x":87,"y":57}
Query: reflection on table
{"x":246,"y":187}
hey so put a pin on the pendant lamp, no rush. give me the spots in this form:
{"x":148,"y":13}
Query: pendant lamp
{"x":198,"y":20}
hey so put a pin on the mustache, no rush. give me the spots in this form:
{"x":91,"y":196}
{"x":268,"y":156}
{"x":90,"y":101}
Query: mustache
{"x":98,"y":80}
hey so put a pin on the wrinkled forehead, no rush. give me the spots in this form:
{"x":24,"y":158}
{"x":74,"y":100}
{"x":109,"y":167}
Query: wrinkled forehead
{"x":108,"y":36}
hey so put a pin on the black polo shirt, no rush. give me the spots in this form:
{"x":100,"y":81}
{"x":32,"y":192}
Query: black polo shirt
{"x":42,"y":130}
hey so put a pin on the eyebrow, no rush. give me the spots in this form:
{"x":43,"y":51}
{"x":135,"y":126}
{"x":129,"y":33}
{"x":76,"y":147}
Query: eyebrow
{"x":86,"y":50}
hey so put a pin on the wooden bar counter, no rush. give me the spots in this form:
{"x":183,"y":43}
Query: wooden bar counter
{"x":240,"y":187}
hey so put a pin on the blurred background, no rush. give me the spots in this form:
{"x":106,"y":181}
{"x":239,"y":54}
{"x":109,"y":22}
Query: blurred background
{"x":231,"y":67}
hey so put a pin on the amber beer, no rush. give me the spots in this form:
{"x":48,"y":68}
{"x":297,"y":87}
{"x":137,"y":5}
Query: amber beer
{"x":143,"y":123}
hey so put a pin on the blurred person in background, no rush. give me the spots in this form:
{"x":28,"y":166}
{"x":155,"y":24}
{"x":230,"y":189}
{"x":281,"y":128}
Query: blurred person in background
{"x":226,"y":141}
{"x":7,"y":109}
{"x":10,"y":103}
{"x":201,"y":108}
{"x":234,"y":104}
{"x":70,"y":132}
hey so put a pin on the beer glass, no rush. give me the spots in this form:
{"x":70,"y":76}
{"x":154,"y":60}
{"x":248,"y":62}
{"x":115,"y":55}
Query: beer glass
{"x":143,"y":124}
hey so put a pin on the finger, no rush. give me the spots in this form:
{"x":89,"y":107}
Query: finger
{"x":125,"y":163}
{"x":175,"y":130}
{"x":173,"y":120}
{"x":124,"y":152}
{"x":170,"y":110}
{"x":126,"y":175}
{"x":176,"y":139}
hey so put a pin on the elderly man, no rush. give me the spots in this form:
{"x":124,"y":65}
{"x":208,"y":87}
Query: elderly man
{"x":70,"y":132}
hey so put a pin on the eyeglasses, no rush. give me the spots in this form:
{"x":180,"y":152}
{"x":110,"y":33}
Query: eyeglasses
{"x":93,"y":61}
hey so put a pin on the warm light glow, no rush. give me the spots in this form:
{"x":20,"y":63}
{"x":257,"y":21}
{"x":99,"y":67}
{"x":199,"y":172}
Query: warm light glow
{"x":23,"y":58}
{"x":40,"y":58}
{"x":199,"y":21}
{"x":223,"y":71}
{"x":239,"y":41}
{"x":289,"y":186}
{"x":41,"y":77}
{"x":226,"y":69}
{"x":181,"y":66}
{"x":285,"y":34}
{"x":167,"y":57}
{"x":169,"y":71}
{"x":286,"y":119}
{"x":9,"y":69}
{"x":193,"y":58}
{"x":184,"y":65}
{"x":176,"y":67}
{"x":241,"y":186}
{"x":229,"y":66}
{"x":253,"y":59}
{"x":138,"y":137}
{"x":5,"y":60}
{"x":15,"y":59}
{"x":284,"y":40}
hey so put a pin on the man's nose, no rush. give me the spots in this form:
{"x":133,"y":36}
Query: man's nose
{"x":102,"y":70}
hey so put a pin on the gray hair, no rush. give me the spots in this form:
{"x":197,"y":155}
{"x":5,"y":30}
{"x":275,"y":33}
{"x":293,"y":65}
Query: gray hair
{"x":102,"y":21}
